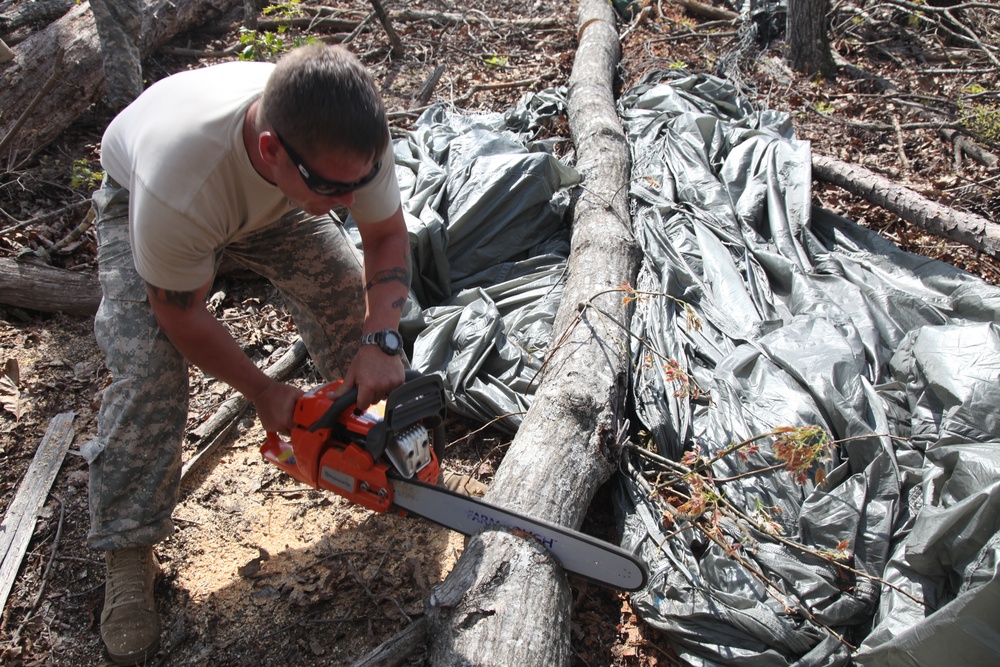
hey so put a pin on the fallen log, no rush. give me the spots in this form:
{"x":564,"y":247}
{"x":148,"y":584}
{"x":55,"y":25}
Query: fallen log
{"x":974,"y":231}
{"x":48,"y":289}
{"x":82,"y":77}
{"x":33,"y":13}
{"x":506,"y":602}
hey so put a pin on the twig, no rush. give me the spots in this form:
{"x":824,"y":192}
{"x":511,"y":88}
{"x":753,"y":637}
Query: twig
{"x":199,"y":53}
{"x":66,"y":241}
{"x":357,"y":30}
{"x":222,"y":422}
{"x":42,"y":219}
{"x":899,"y":143}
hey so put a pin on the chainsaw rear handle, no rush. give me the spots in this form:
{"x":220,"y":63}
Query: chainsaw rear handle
{"x":406,"y":405}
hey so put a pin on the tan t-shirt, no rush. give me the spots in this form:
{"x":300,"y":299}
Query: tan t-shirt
{"x":179,"y":151}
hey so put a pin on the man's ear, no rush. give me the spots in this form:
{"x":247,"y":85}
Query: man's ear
{"x":270,"y":148}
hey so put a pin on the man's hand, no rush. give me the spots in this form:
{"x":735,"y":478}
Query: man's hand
{"x":207,"y":344}
{"x":276,"y":407}
{"x":374,"y":373}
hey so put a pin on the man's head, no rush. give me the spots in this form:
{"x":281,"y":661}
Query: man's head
{"x":321,"y":127}
{"x":320,"y":99}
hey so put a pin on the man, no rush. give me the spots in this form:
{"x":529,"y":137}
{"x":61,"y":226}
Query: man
{"x":242,"y":160}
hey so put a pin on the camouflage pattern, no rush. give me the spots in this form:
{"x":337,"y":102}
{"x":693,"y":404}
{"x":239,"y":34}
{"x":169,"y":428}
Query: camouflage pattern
{"x":119,"y":23}
{"x":135,"y":461}
{"x":318,"y":272}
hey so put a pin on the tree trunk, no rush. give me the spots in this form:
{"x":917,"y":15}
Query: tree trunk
{"x":978,"y":233}
{"x":506,"y":602}
{"x":81,"y":80}
{"x":808,"y":41}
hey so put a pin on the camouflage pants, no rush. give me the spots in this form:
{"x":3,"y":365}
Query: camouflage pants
{"x":119,"y":23}
{"x":135,"y":460}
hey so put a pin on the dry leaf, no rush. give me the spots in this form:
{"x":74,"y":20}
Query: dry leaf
{"x":10,"y":394}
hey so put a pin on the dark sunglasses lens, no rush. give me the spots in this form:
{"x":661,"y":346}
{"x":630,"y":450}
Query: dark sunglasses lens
{"x":327,"y":189}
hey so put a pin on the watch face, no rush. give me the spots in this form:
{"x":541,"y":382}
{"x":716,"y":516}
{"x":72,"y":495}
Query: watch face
{"x":392,"y":341}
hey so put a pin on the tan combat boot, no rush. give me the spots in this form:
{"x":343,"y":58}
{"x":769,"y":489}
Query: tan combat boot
{"x":130,"y":626}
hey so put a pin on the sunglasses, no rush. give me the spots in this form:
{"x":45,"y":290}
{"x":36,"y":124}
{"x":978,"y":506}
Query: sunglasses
{"x":319,"y":185}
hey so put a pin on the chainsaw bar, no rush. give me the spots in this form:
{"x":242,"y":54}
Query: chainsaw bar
{"x":576,"y":552}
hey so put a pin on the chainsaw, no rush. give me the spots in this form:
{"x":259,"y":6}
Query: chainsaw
{"x":387,"y":458}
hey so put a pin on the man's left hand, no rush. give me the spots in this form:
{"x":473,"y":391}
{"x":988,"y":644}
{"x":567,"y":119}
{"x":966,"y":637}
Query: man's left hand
{"x":374,"y":373}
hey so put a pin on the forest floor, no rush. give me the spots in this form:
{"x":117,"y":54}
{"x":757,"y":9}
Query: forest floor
{"x":262,"y":571}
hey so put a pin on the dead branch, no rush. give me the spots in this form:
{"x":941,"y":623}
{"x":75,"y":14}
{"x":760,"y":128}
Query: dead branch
{"x":978,"y":233}
{"x":445,"y":18}
{"x":708,"y":11}
{"x":81,"y":78}
{"x":427,"y":89}
{"x":487,"y":610}
{"x":946,"y":130}
{"x":48,"y":289}
{"x":397,"y":45}
{"x":210,"y":435}
{"x":19,"y":520}
{"x":398,"y":648}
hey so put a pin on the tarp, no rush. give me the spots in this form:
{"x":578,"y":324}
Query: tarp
{"x":755,"y":312}
{"x":485,"y":201}
{"x":758,"y":312}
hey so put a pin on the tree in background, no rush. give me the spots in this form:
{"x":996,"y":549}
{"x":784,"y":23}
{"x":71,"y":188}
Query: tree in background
{"x":118,"y":24}
{"x":808,"y":39}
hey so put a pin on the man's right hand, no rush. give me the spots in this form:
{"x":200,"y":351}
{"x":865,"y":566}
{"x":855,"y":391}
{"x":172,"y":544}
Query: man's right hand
{"x":207,"y":344}
{"x":276,"y":407}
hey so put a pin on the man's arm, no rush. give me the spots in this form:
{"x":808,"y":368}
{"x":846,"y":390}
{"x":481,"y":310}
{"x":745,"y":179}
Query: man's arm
{"x":387,"y":272}
{"x":205,"y":342}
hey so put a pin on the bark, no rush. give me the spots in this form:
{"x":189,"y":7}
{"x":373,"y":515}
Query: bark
{"x":972,"y":230}
{"x":47,"y":289}
{"x":28,"y":13}
{"x":81,"y":79}
{"x":808,"y":40}
{"x":506,"y":602}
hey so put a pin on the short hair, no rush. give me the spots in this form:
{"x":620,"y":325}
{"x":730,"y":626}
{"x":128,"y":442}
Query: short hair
{"x":321,"y":98}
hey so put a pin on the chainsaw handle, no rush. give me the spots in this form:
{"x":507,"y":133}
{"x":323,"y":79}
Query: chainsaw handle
{"x":349,"y":398}
{"x":395,"y":419}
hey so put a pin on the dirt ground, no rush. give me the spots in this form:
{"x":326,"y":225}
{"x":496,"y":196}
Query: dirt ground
{"x":262,"y":571}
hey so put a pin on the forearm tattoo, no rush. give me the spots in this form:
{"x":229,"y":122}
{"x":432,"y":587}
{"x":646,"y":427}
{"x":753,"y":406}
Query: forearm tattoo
{"x":395,"y":274}
{"x":181,"y":300}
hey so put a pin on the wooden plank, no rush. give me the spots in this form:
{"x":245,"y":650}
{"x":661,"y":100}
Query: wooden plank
{"x":22,"y":514}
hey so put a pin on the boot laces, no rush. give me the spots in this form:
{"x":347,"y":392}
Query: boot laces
{"x":128,"y":576}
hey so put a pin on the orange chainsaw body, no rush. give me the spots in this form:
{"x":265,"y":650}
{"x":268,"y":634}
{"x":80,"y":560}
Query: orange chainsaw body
{"x":336,"y":447}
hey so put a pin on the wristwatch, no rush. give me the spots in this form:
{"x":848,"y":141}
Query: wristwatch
{"x":388,"y":340}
